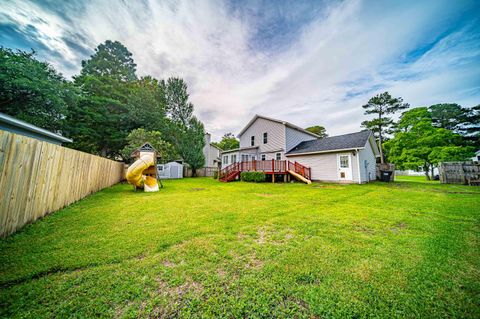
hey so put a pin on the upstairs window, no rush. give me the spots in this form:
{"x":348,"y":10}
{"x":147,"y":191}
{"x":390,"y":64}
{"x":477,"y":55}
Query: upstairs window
{"x":252,"y":141}
{"x":265,"y":138}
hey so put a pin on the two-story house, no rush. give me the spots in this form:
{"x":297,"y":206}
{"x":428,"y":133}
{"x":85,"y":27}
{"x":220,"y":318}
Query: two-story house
{"x":264,"y":138}
{"x":348,"y":158}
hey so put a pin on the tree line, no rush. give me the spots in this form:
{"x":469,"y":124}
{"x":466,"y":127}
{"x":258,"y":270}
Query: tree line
{"x":423,"y":137}
{"x":106,"y":109}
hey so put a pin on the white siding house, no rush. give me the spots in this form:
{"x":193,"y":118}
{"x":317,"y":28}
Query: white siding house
{"x":264,"y":138}
{"x":349,"y":158}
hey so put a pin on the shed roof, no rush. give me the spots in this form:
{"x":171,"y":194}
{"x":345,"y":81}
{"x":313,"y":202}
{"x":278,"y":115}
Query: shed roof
{"x":333,"y":143}
{"x":35,"y":131}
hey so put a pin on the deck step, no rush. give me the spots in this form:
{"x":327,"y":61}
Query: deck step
{"x":299,"y":177}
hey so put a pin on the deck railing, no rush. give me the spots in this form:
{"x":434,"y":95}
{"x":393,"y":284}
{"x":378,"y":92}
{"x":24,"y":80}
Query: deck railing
{"x":267,"y":166}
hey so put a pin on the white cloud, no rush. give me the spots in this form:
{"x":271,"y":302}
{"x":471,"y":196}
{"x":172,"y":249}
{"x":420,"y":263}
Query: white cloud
{"x":349,"y":47}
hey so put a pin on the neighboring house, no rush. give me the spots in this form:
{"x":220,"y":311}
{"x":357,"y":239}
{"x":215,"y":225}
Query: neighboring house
{"x":349,"y":158}
{"x":11,"y":124}
{"x":211,"y":153}
{"x":343,"y":158}
{"x":264,"y":138}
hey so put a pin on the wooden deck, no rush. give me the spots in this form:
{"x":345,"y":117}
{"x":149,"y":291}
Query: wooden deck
{"x":269,"y":167}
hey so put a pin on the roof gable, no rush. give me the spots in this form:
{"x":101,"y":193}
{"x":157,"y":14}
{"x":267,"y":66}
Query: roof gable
{"x":257,"y":116}
{"x":333,"y":143}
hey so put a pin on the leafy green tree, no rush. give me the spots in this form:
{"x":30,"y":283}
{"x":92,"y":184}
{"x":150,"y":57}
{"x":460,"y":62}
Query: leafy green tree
{"x":179,"y":109}
{"x":33,"y":91}
{"x":450,"y":116}
{"x":418,"y":143}
{"x":319,"y":130}
{"x":146,"y":103}
{"x":138,"y":137}
{"x":111,"y":59}
{"x":228,"y":142}
{"x":382,"y":105}
{"x":185,"y":132}
{"x":101,"y":121}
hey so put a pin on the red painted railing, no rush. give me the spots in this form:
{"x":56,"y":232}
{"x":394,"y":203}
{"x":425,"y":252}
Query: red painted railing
{"x":230,"y":172}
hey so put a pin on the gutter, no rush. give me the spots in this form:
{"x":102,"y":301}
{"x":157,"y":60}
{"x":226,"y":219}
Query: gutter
{"x":328,"y":151}
{"x":32,"y":128}
{"x":358,"y":167}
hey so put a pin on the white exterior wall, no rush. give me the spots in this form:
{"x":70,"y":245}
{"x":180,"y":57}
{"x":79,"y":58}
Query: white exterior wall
{"x":325,"y":165}
{"x":212,"y":154}
{"x":367,"y":154}
{"x":209,"y":152}
{"x":295,"y":137}
{"x":276,"y":136}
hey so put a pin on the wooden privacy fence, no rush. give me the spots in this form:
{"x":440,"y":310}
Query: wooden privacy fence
{"x":38,"y":178}
{"x":467,"y":173}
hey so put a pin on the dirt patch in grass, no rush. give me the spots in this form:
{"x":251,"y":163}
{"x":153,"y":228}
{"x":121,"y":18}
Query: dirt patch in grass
{"x":168,"y":264}
{"x":398,"y":227}
{"x":363,"y":229}
{"x":265,"y":195}
{"x":197,"y":189}
{"x":329,"y":186}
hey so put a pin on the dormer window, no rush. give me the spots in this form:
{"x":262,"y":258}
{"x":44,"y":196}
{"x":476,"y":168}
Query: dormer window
{"x":252,"y":141}
{"x":265,"y":138}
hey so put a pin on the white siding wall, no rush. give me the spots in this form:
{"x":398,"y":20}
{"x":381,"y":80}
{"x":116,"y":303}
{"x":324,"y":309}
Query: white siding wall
{"x":324,"y":166}
{"x":367,"y":155}
{"x":213,"y":153}
{"x":276,"y":136}
{"x":295,"y":137}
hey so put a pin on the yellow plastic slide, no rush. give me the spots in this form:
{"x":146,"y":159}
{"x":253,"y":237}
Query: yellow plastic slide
{"x":135,"y":173}
{"x":299,"y":177}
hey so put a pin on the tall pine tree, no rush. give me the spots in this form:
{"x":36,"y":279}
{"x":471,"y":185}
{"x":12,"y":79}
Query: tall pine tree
{"x":382,"y":105}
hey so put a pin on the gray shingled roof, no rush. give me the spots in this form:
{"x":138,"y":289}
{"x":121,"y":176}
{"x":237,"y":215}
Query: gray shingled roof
{"x":340,"y":142}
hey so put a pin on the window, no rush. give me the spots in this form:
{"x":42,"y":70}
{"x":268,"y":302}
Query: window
{"x":252,"y":141}
{"x":344,"y":162}
{"x":233,"y":158}
{"x":265,"y":138}
{"x":225,"y":159}
{"x":253,"y":157}
{"x":160,"y":167}
{"x":278,"y":156}
{"x":263,"y":157}
{"x":244,"y":158}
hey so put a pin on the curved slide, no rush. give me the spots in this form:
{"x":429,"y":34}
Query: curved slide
{"x":135,"y":173}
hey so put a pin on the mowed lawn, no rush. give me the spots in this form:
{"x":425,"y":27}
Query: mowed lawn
{"x":201,"y":248}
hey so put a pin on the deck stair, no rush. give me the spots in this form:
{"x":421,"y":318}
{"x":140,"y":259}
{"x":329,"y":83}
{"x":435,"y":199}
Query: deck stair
{"x":272,"y":167}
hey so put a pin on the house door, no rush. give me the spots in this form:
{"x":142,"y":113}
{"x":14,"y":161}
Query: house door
{"x":344,"y":163}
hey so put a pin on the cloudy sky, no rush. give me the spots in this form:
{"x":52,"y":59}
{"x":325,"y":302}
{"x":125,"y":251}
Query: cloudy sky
{"x":307,"y":62}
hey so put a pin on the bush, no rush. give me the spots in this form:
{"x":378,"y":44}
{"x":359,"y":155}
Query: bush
{"x":215,"y":175}
{"x":256,"y":177}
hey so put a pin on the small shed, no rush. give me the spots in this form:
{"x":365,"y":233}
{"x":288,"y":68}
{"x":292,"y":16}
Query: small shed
{"x":170,"y":170}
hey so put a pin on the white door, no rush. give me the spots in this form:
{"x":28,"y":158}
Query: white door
{"x":344,"y":164}
{"x":173,"y":172}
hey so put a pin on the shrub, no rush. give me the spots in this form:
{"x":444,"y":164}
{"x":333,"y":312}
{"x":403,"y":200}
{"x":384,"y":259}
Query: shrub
{"x":256,"y":177}
{"x":215,"y":175}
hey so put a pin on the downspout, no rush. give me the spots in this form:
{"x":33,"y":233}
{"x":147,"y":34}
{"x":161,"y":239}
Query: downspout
{"x":358,"y":166}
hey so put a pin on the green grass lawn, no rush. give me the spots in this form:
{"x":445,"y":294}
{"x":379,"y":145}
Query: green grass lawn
{"x":200,"y":248}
